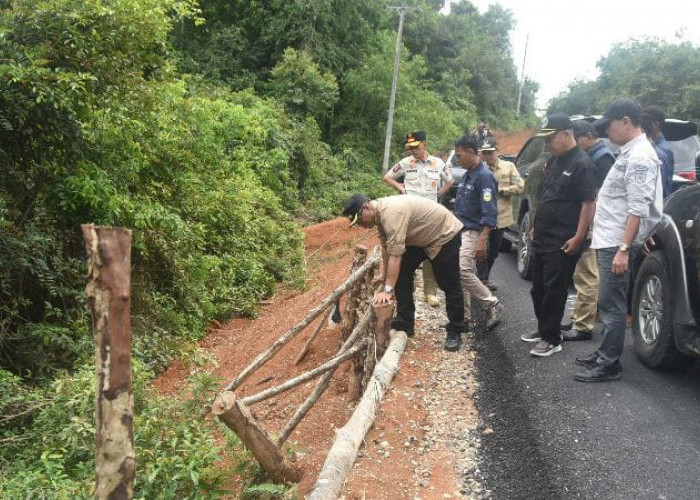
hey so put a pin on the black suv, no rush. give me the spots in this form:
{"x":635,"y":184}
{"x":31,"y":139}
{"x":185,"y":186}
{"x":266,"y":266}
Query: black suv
{"x":665,"y":304}
{"x":681,"y":136}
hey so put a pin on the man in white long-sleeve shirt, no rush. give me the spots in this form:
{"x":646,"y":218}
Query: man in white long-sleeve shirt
{"x":630,"y":204}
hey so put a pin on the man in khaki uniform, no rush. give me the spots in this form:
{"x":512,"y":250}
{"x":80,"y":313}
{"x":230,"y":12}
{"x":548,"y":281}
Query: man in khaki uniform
{"x":412,"y":229}
{"x":423,"y":175}
{"x":509,"y":184}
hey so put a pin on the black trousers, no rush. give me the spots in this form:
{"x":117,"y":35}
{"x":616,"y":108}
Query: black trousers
{"x":446,"y":268}
{"x":483,"y":269}
{"x":551,"y":274}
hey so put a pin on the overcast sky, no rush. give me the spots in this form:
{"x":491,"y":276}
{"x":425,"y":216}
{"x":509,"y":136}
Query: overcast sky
{"x":567,"y":38}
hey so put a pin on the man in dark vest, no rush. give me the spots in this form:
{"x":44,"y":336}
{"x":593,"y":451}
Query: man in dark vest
{"x":586,"y":272}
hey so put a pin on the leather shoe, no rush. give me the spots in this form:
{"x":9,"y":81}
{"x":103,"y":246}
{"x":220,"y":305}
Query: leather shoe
{"x":587,"y":361}
{"x":453,"y":341}
{"x":600,"y":373}
{"x":575,"y":334}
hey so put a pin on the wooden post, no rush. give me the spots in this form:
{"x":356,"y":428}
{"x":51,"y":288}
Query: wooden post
{"x":384,"y":314}
{"x":348,"y":439}
{"x":109,"y":296}
{"x":238,"y":418}
{"x":352,"y":297}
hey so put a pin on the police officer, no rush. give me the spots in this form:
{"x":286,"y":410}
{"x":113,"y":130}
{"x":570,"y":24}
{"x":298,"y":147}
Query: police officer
{"x":477,"y":208}
{"x":423,"y":175}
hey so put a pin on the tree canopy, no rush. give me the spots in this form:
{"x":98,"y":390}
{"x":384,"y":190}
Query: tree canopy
{"x":652,"y":71}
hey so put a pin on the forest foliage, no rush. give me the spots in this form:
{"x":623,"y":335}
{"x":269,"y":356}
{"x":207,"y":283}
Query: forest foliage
{"x":655,"y":72}
{"x":213,"y":129}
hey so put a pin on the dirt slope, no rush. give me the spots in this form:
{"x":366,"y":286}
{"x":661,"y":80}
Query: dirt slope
{"x":425,"y":441}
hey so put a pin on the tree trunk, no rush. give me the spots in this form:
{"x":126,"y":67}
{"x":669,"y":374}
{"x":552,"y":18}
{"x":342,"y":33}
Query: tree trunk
{"x":109,"y":296}
{"x":238,"y":418}
{"x":348,"y":439}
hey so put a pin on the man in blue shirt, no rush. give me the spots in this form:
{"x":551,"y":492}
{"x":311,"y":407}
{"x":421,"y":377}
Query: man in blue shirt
{"x":477,"y":209}
{"x":652,"y":118}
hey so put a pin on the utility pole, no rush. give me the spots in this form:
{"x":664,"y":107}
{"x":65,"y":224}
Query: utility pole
{"x":402,"y":10}
{"x":522,"y":78}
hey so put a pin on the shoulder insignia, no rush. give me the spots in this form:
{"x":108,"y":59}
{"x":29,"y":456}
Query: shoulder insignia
{"x":488,"y":195}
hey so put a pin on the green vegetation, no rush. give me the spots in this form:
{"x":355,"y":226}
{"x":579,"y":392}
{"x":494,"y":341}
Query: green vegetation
{"x":211,"y":129}
{"x":653,"y":72}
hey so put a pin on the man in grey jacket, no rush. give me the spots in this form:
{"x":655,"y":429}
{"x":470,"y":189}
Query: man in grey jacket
{"x":630,"y":204}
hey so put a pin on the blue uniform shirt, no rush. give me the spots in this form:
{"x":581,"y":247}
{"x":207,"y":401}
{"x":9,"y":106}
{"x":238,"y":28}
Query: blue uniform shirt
{"x":665,"y":154}
{"x":476,"y":204}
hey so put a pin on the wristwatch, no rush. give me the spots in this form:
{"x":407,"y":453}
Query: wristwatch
{"x":388,"y":289}
{"x":624,"y":247}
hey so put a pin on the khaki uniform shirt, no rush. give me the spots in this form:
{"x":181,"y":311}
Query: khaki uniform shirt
{"x":422,"y":178}
{"x":509,"y":183}
{"x":408,"y":221}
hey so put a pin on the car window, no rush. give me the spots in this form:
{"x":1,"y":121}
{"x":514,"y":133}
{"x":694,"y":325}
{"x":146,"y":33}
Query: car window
{"x":532,"y":150}
{"x":684,"y":153}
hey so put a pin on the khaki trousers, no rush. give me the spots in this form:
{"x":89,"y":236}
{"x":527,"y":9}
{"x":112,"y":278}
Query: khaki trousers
{"x":586,"y":282}
{"x":471,"y":284}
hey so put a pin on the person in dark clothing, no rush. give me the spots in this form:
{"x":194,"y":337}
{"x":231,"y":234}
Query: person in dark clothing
{"x":651,"y":119}
{"x":562,"y":219}
{"x":586,"y":272}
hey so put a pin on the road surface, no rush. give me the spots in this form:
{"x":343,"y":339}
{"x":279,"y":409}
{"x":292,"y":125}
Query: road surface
{"x":637,"y":438}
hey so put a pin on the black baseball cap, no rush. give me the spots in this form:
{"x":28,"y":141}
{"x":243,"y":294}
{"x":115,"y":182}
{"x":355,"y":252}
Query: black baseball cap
{"x":414,"y":139}
{"x":583,"y":127}
{"x":488,"y":144}
{"x":353,"y":207}
{"x":619,"y":109}
{"x":555,"y":122}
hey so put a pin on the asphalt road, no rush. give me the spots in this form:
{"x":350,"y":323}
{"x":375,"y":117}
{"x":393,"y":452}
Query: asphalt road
{"x":636,"y":438}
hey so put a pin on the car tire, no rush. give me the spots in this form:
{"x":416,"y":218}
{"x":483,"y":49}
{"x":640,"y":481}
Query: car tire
{"x":525,"y":248}
{"x":652,"y":316}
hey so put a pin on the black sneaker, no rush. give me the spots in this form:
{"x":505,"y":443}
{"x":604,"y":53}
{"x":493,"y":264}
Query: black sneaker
{"x":574,"y":334}
{"x":531,"y":336}
{"x":587,"y":361}
{"x":453,"y":341}
{"x":543,"y":349}
{"x":565,"y":327}
{"x":600,"y":373}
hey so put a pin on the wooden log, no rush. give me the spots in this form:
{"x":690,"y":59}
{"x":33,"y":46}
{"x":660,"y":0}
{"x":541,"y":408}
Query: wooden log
{"x":348,"y":439}
{"x":384,"y":315}
{"x":237,"y":417}
{"x":323,"y":382}
{"x":265,"y":356}
{"x":109,"y":296}
{"x":353,"y":296}
{"x":306,"y":376}
{"x":313,"y":336}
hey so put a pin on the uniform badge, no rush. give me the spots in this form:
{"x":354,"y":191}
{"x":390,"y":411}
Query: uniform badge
{"x":433,"y":184}
{"x":396,"y":168}
{"x":488,"y":196}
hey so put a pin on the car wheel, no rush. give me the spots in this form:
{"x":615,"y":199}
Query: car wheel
{"x":652,"y":316}
{"x":524,"y":248}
